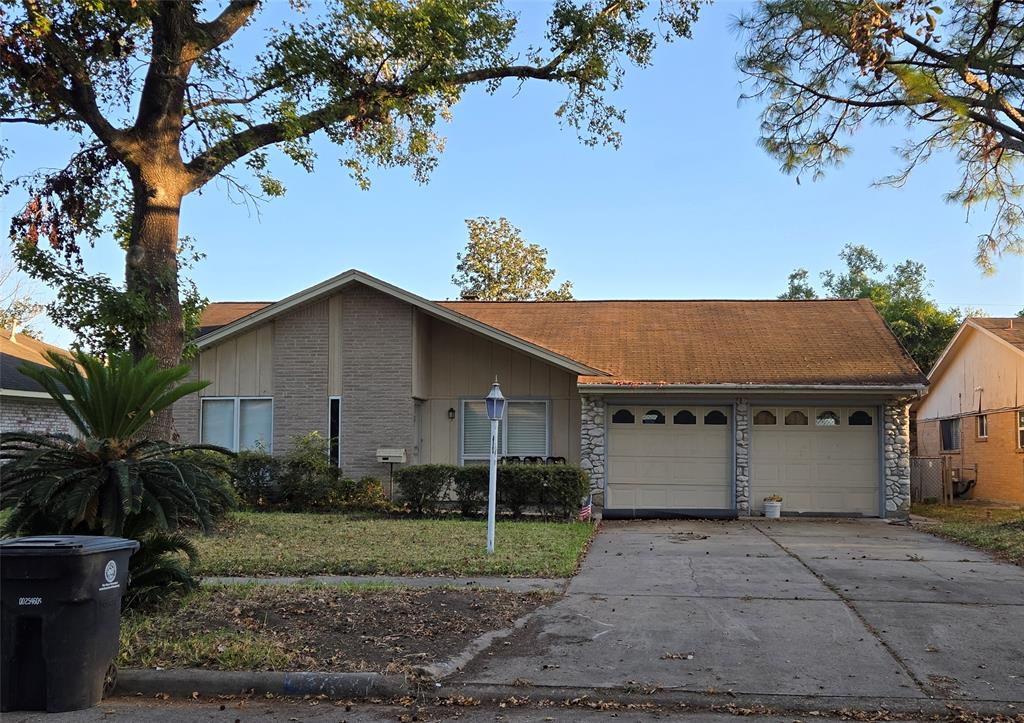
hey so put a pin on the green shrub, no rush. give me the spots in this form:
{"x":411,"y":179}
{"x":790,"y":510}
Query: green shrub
{"x":256,"y":478}
{"x":425,"y":486}
{"x":308,"y":482}
{"x":519,"y":485}
{"x":368,"y":495}
{"x":565,"y":487}
{"x":471,"y":488}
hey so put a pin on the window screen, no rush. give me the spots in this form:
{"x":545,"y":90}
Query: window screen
{"x":218,"y":422}
{"x":255,"y":424}
{"x":527,"y":429}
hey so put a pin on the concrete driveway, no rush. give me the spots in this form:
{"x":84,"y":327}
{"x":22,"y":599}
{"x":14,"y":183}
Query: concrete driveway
{"x":840,"y":609}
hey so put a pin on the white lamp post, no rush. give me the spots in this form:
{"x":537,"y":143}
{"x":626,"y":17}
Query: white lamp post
{"x":495,"y":411}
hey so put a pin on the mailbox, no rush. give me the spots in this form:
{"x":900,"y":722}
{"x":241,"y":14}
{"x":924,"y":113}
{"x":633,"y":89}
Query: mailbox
{"x":394,"y":455}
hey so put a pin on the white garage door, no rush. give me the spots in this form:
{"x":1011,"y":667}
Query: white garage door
{"x":669,"y":457}
{"x":820,"y":459}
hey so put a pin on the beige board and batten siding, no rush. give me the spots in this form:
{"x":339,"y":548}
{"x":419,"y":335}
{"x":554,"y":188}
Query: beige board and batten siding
{"x":462,"y":365}
{"x":980,"y":362}
{"x":241,"y":366}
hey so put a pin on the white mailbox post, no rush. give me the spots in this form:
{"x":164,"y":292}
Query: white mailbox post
{"x":495,"y":403}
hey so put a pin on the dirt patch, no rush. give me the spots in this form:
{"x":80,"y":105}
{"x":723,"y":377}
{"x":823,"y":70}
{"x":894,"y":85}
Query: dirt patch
{"x":319,"y":628}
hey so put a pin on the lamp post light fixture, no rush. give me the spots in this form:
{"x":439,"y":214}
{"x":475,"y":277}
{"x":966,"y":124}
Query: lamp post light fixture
{"x":495,"y":403}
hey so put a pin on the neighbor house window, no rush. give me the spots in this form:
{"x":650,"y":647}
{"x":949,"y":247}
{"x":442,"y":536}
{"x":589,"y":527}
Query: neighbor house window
{"x":1020,"y":429}
{"x":334,"y":430}
{"x":982,"y":426}
{"x":796,"y":418}
{"x":653,"y":416}
{"x":684,"y":416}
{"x":950,"y":432}
{"x":764,"y":417}
{"x":238,"y":423}
{"x":623,"y":416}
{"x":523,"y":432}
{"x":715,"y":417}
{"x":827,"y":418}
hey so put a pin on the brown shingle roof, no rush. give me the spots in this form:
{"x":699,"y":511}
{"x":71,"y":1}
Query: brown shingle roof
{"x":1006,"y":328}
{"x":219,"y":313}
{"x":711,"y":342}
{"x":13,"y":354}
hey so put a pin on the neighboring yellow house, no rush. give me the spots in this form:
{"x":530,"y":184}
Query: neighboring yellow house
{"x":974,"y":411}
{"x":688,"y":407}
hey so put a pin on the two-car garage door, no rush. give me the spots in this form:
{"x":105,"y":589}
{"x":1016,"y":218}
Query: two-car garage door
{"x":819,"y":459}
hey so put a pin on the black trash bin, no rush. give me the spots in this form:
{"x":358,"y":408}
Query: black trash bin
{"x":60,"y":604}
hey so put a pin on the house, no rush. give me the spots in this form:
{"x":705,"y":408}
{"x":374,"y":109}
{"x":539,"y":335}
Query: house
{"x":674,"y":407}
{"x":24,"y":405}
{"x":974,"y":412}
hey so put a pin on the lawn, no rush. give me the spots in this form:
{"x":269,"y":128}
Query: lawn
{"x":997,"y":529}
{"x":339,"y":628}
{"x":288,"y":543}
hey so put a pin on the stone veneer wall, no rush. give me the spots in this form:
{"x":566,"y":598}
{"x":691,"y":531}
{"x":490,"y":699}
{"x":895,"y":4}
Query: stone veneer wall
{"x":593,"y":455}
{"x":896,"y":448}
{"x":742,"y":456}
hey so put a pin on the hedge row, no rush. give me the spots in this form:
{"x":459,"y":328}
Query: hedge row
{"x":556,"y":490}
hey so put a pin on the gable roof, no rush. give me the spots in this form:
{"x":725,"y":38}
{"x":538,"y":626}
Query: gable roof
{"x":702,"y":343}
{"x":1004,"y":330}
{"x":22,"y":350}
{"x":334,"y":284}
{"x":690,"y":343}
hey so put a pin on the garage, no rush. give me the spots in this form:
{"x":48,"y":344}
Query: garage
{"x":821,"y":459}
{"x":670,"y":458}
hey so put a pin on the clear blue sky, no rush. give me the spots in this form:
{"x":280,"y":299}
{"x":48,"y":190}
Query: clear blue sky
{"x":689,"y":207}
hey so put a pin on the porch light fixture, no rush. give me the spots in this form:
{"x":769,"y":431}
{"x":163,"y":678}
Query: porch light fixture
{"x":451,"y":414}
{"x":495,"y":403}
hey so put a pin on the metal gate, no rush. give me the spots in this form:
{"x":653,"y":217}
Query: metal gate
{"x":926,"y":479}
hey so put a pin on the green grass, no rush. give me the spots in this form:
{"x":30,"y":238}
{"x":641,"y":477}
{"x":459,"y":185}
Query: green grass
{"x":997,"y":529}
{"x":287,"y":543}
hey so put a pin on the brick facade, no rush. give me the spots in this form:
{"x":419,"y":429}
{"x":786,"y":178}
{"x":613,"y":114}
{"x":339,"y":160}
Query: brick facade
{"x":26,"y":414}
{"x":300,"y":374}
{"x":377,"y":404}
{"x":999,"y":460}
{"x":186,"y":414}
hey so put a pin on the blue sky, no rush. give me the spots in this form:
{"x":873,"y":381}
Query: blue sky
{"x":689,"y":207}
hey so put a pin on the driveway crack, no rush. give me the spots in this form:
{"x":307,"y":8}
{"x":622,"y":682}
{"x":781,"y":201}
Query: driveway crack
{"x":853,"y":609}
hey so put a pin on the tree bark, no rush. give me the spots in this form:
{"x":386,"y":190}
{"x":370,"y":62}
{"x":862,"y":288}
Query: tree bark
{"x":151,"y":271}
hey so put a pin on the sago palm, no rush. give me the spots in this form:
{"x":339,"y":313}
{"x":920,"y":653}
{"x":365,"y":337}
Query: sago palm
{"x":110,"y":479}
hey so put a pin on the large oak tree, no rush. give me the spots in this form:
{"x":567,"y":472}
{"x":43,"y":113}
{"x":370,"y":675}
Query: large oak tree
{"x":162,"y":105}
{"x":951,"y":71}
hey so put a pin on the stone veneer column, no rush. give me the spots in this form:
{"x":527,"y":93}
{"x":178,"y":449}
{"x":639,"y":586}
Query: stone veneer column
{"x":896,"y":448}
{"x":593,"y":444}
{"x":743,"y":456}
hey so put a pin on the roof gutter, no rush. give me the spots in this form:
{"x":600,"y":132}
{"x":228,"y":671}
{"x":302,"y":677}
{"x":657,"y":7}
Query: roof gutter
{"x":24,"y":394}
{"x":917,"y":390}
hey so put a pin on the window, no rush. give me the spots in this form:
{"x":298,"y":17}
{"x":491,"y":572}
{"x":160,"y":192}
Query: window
{"x":859,"y":418}
{"x":796,"y":418}
{"x":334,"y":430}
{"x":522,"y":433}
{"x":982,"y":426}
{"x":827,"y":418}
{"x":238,"y":423}
{"x":1020,"y":429}
{"x":764,"y":417}
{"x":715,"y":417}
{"x":623,"y":416}
{"x":949,"y":430}
{"x":653,"y":416}
{"x":684,"y":416}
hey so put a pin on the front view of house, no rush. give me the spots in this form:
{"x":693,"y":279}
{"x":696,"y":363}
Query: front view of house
{"x":674,"y":407}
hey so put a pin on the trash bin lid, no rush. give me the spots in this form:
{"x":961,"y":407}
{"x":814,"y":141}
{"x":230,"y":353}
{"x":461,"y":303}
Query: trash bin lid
{"x":64,"y":545}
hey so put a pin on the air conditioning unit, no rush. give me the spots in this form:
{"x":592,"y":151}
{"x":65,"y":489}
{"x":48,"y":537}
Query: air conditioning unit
{"x":391,"y":454}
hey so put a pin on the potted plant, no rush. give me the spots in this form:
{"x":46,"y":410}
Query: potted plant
{"x":773,"y":506}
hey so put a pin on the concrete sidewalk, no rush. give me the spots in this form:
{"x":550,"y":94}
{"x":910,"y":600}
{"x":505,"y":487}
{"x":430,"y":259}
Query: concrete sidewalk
{"x":858,"y":610}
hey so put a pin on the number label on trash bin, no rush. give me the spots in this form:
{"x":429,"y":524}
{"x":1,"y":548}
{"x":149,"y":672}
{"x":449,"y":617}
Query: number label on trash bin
{"x":110,"y":575}
{"x":30,"y":601}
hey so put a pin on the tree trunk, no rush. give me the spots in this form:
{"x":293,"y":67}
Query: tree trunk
{"x":151,"y":271}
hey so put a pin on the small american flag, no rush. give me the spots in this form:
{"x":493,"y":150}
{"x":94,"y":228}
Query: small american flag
{"x":587,"y":508}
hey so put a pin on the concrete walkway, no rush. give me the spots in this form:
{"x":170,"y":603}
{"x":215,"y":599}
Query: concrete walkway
{"x":836,"y":609}
{"x":512,"y":584}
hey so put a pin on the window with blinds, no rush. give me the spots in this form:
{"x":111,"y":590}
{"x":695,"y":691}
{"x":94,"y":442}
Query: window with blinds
{"x":522,"y":433}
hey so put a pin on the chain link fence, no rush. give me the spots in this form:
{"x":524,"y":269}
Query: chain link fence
{"x":926,"y":479}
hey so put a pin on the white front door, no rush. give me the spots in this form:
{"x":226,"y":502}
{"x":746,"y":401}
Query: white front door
{"x":669,"y":457}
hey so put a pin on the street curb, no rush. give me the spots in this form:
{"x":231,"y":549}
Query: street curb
{"x":186,"y":681}
{"x":363,"y":686}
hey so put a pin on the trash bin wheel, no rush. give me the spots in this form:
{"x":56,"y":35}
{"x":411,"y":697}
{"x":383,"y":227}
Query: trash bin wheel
{"x":110,"y":681}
